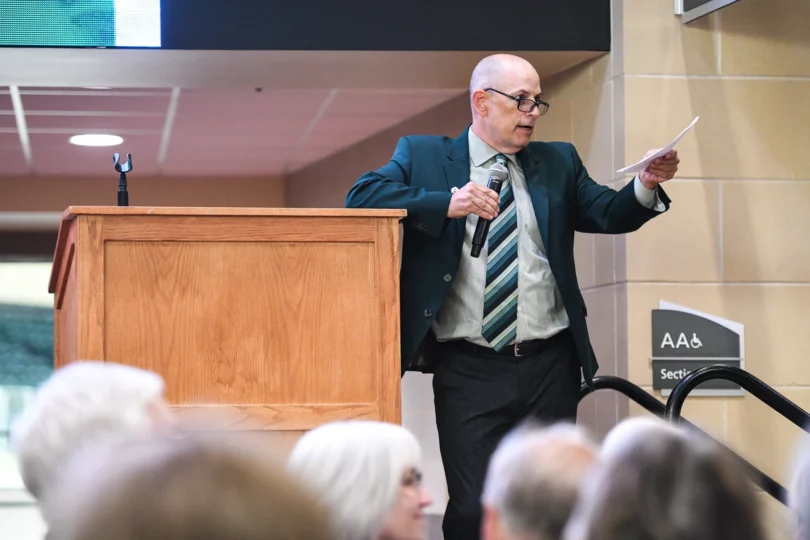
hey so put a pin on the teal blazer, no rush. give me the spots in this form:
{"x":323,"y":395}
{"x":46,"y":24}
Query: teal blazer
{"x":419,"y":177}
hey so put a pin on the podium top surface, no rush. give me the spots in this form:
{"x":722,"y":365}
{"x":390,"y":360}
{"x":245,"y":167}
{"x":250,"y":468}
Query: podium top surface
{"x":73,"y":211}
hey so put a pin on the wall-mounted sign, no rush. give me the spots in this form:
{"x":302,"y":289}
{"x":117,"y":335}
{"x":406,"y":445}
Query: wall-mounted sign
{"x":684,"y":340}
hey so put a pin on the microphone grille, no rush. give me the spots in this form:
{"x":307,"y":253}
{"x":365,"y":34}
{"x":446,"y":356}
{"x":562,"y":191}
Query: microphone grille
{"x":499,"y":172}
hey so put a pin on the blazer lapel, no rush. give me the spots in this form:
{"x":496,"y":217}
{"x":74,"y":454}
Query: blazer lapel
{"x":457,"y":175}
{"x":537,"y":182}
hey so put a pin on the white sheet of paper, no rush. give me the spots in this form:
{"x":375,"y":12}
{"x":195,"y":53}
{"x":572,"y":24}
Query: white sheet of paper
{"x":641,"y":165}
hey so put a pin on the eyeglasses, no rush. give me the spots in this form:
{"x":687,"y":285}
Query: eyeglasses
{"x":412,"y":478}
{"x":525,"y":104}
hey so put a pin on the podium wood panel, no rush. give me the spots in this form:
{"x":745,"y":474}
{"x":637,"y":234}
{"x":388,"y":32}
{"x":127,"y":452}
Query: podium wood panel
{"x":275,"y":319}
{"x":236,"y":309}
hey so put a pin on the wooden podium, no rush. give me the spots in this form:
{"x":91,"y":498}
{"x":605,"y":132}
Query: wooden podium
{"x":265,"y":319}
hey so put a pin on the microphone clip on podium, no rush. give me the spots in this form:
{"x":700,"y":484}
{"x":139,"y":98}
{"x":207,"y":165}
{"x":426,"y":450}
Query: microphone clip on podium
{"x":497,"y":176}
{"x":123,"y":196}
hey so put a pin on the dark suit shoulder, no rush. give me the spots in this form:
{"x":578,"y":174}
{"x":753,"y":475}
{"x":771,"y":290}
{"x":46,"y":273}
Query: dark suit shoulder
{"x":556,"y":152}
{"x":551,"y":147}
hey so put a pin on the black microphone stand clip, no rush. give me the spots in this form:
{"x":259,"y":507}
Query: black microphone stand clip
{"x":123,"y":196}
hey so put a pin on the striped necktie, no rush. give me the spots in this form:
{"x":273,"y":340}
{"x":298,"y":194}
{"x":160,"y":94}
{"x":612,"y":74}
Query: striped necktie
{"x":501,"y":294}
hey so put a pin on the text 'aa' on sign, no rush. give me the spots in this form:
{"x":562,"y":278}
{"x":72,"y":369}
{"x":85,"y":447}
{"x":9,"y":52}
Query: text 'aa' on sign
{"x":684,"y":340}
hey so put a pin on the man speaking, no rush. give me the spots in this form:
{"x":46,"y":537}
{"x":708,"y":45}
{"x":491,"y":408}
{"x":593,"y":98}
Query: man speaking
{"x":504,"y":332}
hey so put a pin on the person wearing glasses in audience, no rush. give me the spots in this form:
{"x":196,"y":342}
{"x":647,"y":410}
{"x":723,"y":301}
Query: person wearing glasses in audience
{"x":366,"y":475}
{"x":503,"y":333}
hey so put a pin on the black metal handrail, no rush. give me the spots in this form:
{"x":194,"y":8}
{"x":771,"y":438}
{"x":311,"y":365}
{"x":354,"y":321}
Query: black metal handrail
{"x":623,"y":386}
{"x":765,"y":393}
{"x":648,"y":401}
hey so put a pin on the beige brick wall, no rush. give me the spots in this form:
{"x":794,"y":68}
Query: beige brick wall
{"x":733,"y":243}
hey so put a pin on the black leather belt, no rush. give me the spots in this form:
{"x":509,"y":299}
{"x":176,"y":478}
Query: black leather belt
{"x":515,"y":350}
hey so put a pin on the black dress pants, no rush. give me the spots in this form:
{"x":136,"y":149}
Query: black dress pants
{"x":479,"y":396}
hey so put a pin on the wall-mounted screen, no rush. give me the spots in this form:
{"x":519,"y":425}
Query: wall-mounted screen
{"x":80,"y":23}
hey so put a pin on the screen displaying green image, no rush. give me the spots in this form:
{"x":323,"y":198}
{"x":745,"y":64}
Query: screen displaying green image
{"x":80,"y":23}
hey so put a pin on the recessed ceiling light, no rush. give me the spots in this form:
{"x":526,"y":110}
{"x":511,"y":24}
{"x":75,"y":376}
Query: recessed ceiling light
{"x":98,"y":87}
{"x":96,"y":139}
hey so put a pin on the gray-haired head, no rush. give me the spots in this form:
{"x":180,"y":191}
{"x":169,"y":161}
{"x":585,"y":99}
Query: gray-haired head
{"x":85,"y":404}
{"x":533,"y":479}
{"x":658,"y":482}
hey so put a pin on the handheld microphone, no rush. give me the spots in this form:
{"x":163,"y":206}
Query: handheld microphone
{"x":497,"y":176}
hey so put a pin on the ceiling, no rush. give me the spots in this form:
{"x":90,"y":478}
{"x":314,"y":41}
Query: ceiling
{"x":209,"y":132}
{"x":216,"y":113}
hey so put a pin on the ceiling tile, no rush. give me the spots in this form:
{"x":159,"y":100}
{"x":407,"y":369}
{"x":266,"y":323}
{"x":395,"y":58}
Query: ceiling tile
{"x":7,"y":121}
{"x":276,"y":119}
{"x":9,"y":140}
{"x":205,"y":136}
{"x":238,"y":107}
{"x":96,"y":103}
{"x":12,"y":162}
{"x":101,"y":124}
{"x":404,"y":103}
{"x":92,"y":90}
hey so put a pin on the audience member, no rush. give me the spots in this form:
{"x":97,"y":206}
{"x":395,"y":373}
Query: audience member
{"x":182,"y":489}
{"x":85,"y":404}
{"x":659,"y":482}
{"x":365,"y":473}
{"x":800,"y":491}
{"x":532,"y":482}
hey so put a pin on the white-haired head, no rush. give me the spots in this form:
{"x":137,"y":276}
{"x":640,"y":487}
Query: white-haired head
{"x":533,"y":479}
{"x":82,"y":404}
{"x":633,"y":431}
{"x":355,"y":469}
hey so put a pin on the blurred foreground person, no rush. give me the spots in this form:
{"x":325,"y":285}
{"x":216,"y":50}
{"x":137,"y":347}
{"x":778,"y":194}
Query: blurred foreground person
{"x":366,"y":475}
{"x":533,"y":481}
{"x":799,"y":491}
{"x":182,"y":489}
{"x":659,"y":482}
{"x":85,"y":404}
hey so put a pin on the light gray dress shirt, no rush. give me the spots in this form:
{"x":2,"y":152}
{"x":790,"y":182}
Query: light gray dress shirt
{"x":541,"y":313}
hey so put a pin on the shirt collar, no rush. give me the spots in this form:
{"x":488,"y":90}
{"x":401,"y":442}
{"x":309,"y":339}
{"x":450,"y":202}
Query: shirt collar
{"x":481,"y":152}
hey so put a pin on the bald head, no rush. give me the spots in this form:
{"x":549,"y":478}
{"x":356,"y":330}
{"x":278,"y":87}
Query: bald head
{"x":533,"y":481}
{"x":494,"y":70}
{"x":496,"y":84}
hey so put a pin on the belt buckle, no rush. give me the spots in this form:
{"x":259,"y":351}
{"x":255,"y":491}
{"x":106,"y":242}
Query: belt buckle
{"x":517,"y":349}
